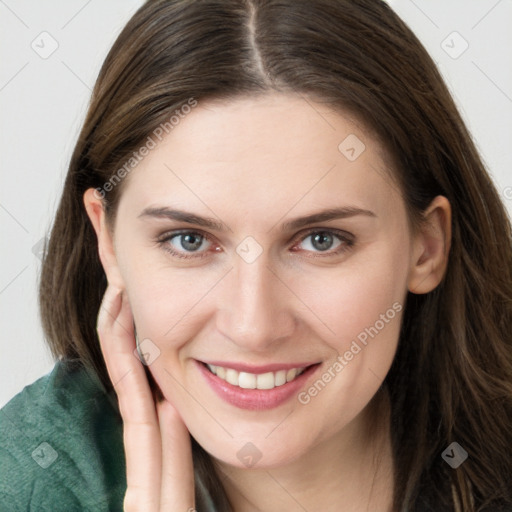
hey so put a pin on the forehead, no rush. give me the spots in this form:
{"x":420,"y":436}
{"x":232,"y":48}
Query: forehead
{"x":264,"y":153}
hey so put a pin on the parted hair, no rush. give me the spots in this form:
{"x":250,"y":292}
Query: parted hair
{"x":451,"y":379}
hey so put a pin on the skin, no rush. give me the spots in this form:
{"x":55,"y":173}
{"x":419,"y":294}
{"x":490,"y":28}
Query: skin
{"x":253,"y":164}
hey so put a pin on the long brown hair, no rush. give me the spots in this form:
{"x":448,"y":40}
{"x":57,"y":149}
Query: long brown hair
{"x":451,"y":380}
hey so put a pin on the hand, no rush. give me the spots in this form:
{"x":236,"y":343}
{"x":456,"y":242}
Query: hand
{"x":159,"y":467}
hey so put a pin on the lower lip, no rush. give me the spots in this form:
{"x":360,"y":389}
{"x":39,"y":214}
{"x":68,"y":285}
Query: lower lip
{"x":256,"y":399}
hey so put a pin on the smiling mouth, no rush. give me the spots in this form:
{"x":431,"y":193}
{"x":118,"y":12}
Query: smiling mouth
{"x":247,"y":380}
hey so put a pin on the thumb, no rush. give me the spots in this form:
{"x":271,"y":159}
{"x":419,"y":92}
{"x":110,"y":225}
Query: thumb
{"x":177,"y":465}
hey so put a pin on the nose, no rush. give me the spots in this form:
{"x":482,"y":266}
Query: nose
{"x":255,"y":308}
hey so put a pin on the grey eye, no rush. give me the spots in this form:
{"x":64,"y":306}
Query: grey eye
{"x":321,"y":241}
{"x":190,"y":242}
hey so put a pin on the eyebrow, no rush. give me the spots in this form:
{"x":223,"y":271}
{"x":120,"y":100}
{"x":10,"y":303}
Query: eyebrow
{"x":325,"y":215}
{"x":163,"y":212}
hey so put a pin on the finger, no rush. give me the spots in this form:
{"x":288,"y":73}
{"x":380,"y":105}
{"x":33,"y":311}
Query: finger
{"x":177,"y":466}
{"x":141,"y":431}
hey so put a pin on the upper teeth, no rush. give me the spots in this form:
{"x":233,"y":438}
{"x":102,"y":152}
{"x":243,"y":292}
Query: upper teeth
{"x":246,"y":380}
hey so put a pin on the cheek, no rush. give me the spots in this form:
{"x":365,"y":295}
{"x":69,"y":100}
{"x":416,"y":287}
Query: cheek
{"x":166,"y":301}
{"x":360,"y":293}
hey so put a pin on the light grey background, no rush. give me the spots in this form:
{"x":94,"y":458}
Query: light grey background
{"x":43,"y":99}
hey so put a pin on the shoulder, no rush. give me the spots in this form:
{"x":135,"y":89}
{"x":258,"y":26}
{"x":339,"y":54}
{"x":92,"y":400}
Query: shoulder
{"x":61,"y":445}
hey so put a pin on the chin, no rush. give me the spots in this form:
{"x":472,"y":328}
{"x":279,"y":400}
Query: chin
{"x":258,"y":453}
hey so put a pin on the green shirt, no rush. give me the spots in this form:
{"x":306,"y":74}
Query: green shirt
{"x":61,"y":445}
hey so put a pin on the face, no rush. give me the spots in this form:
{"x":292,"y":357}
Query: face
{"x":264,"y":236}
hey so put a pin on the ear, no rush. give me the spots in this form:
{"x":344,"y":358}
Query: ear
{"x":431,"y":247}
{"x":96,"y":212}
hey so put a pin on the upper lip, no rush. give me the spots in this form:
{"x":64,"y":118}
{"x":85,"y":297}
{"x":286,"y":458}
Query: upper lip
{"x":273,"y":367}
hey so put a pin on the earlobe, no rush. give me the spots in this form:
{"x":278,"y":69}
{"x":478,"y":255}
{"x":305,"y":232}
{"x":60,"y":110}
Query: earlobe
{"x":95,"y":210}
{"x":431,"y":247}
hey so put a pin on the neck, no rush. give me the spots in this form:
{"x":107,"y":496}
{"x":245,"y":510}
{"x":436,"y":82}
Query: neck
{"x":349,"y":472}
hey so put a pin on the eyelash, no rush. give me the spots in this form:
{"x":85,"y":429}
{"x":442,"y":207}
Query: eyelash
{"x":347,"y":242}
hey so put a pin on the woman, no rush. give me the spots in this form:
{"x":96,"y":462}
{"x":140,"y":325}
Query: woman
{"x":292,"y":229}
